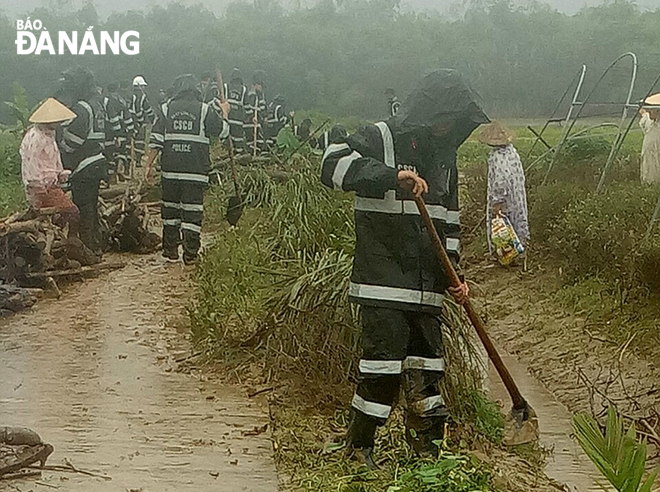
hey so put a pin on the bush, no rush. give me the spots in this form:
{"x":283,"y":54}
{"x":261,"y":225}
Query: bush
{"x":12,"y":197}
{"x":547,"y":205}
{"x":602,"y":235}
{"x":10,"y":161}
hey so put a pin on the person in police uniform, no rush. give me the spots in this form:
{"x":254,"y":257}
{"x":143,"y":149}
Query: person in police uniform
{"x":255,"y":112}
{"x":142,"y":113}
{"x":81,"y":143}
{"x":183,"y":133}
{"x":277,"y":119}
{"x":236,"y":92}
{"x":397,"y":278}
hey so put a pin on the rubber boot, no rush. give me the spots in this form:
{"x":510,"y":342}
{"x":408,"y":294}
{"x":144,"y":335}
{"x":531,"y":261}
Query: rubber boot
{"x":360,"y":439}
{"x":423,"y":432}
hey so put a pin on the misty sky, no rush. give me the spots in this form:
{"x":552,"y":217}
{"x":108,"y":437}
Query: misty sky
{"x":15,"y":7}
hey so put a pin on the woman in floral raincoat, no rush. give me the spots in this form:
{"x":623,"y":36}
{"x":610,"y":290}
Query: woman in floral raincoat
{"x":506,"y":182}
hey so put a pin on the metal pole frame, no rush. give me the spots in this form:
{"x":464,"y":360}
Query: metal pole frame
{"x":617,"y":141}
{"x":623,"y":132}
{"x":579,"y":77}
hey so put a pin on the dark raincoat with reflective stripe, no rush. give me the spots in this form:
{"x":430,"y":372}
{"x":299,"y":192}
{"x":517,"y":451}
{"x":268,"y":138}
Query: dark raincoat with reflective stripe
{"x":83,"y":140}
{"x":395,"y":264}
{"x":141,"y":110}
{"x":184,"y":133}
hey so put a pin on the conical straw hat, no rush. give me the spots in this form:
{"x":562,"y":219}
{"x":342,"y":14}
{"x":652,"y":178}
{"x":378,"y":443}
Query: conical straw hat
{"x":496,"y":134}
{"x":51,"y":111}
{"x":653,"y":100}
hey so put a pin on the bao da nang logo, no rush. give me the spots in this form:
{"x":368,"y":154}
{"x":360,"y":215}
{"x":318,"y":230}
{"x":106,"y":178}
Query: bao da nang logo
{"x":33,"y":39}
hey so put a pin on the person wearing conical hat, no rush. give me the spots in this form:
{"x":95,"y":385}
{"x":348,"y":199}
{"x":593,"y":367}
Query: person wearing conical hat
{"x":650,"y":123}
{"x":41,"y":163}
{"x":506,"y":181}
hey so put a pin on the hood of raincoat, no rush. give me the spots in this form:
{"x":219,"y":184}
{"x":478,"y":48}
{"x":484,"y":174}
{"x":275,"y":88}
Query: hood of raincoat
{"x":443,"y":108}
{"x":76,"y":84}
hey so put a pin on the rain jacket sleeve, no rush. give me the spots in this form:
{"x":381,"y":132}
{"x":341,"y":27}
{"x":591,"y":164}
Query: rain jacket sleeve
{"x":75,"y":131}
{"x":215,"y":124}
{"x":350,"y":165}
{"x":157,"y":137}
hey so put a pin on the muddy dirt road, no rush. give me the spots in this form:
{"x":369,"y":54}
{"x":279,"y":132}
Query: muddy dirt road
{"x":95,"y":374}
{"x":562,"y":367}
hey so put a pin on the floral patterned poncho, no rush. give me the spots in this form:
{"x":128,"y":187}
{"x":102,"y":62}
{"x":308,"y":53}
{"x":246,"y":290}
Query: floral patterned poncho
{"x":506,"y":186}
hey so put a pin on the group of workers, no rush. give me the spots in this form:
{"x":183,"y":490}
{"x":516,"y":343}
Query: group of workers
{"x":84,"y":135}
{"x":397,"y":278}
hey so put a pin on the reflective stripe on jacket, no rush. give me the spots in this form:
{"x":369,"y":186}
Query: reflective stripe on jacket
{"x":395,"y":264}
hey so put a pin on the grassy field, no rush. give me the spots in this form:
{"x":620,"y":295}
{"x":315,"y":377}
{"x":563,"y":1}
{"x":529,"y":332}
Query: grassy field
{"x":609,"y":273}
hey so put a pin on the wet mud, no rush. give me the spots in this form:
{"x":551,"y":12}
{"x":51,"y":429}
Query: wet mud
{"x":560,"y":366}
{"x":96,"y":374}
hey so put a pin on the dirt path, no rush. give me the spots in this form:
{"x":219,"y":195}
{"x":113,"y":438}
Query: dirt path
{"x":560,"y":366}
{"x":95,"y":374}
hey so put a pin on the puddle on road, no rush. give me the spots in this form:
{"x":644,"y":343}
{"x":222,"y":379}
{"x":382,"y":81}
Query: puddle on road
{"x":92,"y":373}
{"x":567,"y":463}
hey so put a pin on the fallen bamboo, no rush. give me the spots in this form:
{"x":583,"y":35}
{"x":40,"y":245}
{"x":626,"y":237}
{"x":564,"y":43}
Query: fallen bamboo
{"x":76,"y":271}
{"x":20,"y":474}
{"x":16,"y":227}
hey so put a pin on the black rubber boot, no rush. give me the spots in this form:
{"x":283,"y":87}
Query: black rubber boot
{"x":364,"y":456}
{"x":189,"y":260}
{"x":422,"y":433}
{"x":171,"y":254}
{"x":360,"y":438}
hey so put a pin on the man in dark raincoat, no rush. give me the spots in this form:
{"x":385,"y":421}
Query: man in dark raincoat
{"x":183,"y":132}
{"x":81,"y":144}
{"x":235,"y":91}
{"x":397,"y":278}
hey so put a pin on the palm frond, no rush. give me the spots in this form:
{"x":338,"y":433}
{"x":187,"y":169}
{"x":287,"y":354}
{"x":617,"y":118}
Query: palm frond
{"x":617,"y":454}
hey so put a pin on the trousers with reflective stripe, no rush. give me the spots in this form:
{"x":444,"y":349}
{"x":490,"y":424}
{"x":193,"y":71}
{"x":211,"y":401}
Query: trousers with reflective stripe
{"x":399,"y":348}
{"x":182,"y":210}
{"x":237,"y":134}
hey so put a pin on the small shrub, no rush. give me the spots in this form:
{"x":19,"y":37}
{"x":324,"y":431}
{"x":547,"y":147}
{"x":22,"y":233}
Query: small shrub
{"x":602,"y":234}
{"x":547,"y":205}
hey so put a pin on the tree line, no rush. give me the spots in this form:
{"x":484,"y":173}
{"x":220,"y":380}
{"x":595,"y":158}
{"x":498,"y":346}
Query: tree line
{"x":340,"y":55}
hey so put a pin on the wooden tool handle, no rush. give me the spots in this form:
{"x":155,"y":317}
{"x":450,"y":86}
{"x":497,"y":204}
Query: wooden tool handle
{"x":518,"y":400}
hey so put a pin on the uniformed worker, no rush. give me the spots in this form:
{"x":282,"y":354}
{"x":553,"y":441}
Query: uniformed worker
{"x":208,"y":88}
{"x":114,"y":114}
{"x":183,"y":134}
{"x":143,"y":115}
{"x":397,"y":277}
{"x":277,"y":119}
{"x":255,"y":113}
{"x":81,"y":145}
{"x":236,"y":93}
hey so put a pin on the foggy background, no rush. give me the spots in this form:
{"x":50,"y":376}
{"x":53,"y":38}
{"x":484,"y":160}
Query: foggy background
{"x":105,"y":8}
{"x":338,"y":56}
